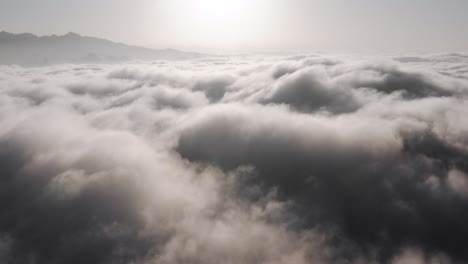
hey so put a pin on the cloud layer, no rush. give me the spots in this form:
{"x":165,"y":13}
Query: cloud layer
{"x":308,"y":159}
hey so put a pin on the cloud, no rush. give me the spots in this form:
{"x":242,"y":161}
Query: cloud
{"x":75,"y":194}
{"x":304,"y":159}
{"x":311,"y":90}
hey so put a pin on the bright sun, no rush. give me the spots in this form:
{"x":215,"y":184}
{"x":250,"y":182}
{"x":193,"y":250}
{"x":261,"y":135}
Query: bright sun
{"x":218,"y":21}
{"x":218,"y":11}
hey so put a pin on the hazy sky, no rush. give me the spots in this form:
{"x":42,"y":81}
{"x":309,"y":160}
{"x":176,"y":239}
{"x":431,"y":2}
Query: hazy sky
{"x":252,"y":25}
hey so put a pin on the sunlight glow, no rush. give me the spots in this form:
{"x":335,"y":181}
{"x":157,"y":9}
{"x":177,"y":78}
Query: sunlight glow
{"x":219,"y":21}
{"x":216,"y":11}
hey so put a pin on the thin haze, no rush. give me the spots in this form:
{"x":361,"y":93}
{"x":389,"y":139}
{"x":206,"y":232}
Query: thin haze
{"x":220,"y":25}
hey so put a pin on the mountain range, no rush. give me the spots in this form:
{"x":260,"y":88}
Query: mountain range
{"x":27,"y":49}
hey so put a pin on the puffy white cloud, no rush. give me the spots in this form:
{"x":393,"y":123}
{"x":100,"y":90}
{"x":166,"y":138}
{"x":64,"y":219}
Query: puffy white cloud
{"x":305,"y":159}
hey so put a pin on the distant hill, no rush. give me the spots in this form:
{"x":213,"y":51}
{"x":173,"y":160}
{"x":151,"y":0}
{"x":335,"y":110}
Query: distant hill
{"x":30,"y":50}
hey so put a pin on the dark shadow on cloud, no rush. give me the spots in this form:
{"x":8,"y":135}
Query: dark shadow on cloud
{"x":380,"y":200}
{"x":411,"y":59}
{"x":310,"y":91}
{"x":413,"y":84}
{"x":99,"y":225}
{"x":214,"y":86}
{"x":102,"y":90}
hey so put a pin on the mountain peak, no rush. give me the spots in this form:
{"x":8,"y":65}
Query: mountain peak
{"x":72,"y":34}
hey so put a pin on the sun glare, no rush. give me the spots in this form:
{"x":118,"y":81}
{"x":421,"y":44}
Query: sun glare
{"x":220,"y":21}
{"x":218,"y":11}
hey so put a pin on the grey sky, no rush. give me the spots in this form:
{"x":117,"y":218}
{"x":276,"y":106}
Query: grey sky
{"x":316,"y":25}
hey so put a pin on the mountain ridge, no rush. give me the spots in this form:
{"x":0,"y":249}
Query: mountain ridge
{"x":27,"y":49}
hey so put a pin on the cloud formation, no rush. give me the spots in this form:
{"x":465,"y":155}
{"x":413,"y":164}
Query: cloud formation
{"x":307,"y":159}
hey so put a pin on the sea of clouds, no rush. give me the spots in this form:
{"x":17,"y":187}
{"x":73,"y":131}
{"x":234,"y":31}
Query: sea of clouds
{"x":275,"y":160}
